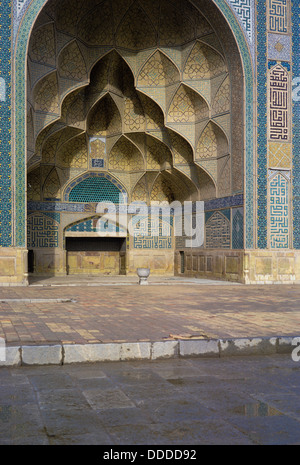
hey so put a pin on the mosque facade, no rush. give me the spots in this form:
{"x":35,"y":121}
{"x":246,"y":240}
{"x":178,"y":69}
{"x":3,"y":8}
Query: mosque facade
{"x":161,"y":134}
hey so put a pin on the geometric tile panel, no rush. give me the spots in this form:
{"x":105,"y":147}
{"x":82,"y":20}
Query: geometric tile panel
{"x":280,"y":155}
{"x":42,"y":232}
{"x":152,"y":233}
{"x":245,"y":11}
{"x":247,"y":57}
{"x":279,"y":104}
{"x":278,"y":16}
{"x":217,"y":229}
{"x":237,"y":228}
{"x":279,"y":211}
{"x":203,"y":63}
{"x":279,"y":47}
{"x":95,"y":189}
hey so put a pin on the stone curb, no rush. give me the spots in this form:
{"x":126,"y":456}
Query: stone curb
{"x":37,"y":301}
{"x":84,"y":353}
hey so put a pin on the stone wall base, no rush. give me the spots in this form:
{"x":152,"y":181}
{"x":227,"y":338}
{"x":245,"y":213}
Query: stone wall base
{"x":211,"y":264}
{"x":58,"y":262}
{"x":50,"y":262}
{"x":243,"y":266}
{"x":264,"y":267}
{"x":160,"y":262}
{"x":13,"y":267}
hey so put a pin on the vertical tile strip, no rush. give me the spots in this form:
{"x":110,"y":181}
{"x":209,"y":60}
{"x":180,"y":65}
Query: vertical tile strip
{"x":5,"y":125}
{"x":20,"y":118}
{"x":249,"y":167}
{"x":296,"y":126}
{"x":262,"y":169}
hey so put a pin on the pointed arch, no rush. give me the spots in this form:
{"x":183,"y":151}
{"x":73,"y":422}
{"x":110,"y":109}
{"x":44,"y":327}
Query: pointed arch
{"x":158,"y":71}
{"x":187,"y":106}
{"x":140,"y":192}
{"x":73,"y":153}
{"x":71,"y":63}
{"x":136,"y":30}
{"x":182,"y":150}
{"x":42,"y":45}
{"x":125,"y":156}
{"x":96,"y":27}
{"x":161,"y":191}
{"x":46,"y":94}
{"x":154,"y":115}
{"x":158,"y":154}
{"x":203,"y":62}
{"x":52,"y":186}
{"x":34,"y":184}
{"x":187,"y":181}
{"x":75,"y":112}
{"x":95,"y":187}
{"x":104,"y":118}
{"x":222,"y":100}
{"x":213,"y":142}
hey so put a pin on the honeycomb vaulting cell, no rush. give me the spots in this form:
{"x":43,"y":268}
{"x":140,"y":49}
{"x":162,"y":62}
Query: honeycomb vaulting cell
{"x":71,"y":63}
{"x":104,"y":118}
{"x":158,"y":71}
{"x":136,"y":31}
{"x":187,"y":107}
{"x":125,"y":156}
{"x":203,"y":63}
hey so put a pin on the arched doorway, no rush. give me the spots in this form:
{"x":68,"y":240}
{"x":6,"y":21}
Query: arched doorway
{"x":154,"y":110}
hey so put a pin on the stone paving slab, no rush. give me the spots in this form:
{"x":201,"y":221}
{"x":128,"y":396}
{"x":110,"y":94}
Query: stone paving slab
{"x":190,"y":402}
{"x":155,"y":320}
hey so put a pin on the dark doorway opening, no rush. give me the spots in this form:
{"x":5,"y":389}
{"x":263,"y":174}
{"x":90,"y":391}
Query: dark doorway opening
{"x":96,"y":244}
{"x":30,"y":261}
{"x":182,"y":267}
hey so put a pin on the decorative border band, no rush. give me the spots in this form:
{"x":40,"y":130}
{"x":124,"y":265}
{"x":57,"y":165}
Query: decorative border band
{"x":262,"y":168}
{"x":5,"y":126}
{"x":296,"y":127}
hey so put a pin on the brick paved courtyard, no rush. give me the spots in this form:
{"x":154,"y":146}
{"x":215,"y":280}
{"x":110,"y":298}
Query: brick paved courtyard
{"x":105,"y":313}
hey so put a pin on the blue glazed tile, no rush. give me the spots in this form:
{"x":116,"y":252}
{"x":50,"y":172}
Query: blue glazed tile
{"x":296,"y":128}
{"x":5,"y":126}
{"x":262,"y":125}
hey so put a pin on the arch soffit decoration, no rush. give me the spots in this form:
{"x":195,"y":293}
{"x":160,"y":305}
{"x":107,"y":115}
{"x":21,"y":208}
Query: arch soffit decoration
{"x":78,"y":87}
{"x":194,"y":94}
{"x":84,"y":83}
{"x":20,"y":56}
{"x":106,"y":94}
